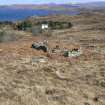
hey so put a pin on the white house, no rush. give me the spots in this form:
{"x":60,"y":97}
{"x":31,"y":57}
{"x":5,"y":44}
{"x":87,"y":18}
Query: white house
{"x":44,"y":26}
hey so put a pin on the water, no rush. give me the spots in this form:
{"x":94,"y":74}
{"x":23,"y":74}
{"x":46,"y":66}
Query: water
{"x":21,"y":14}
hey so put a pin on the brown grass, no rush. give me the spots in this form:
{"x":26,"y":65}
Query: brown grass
{"x":75,"y":81}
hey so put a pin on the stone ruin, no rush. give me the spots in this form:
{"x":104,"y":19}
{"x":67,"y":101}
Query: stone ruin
{"x":40,"y":46}
{"x":74,"y":52}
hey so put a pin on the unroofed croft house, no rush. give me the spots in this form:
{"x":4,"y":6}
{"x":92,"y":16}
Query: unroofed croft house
{"x":44,"y":26}
{"x":73,"y":51}
{"x":36,"y":30}
{"x":40,"y":28}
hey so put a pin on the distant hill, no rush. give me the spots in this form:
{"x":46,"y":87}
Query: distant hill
{"x":20,"y":12}
{"x":93,"y":5}
{"x":53,"y":6}
{"x":42,"y":6}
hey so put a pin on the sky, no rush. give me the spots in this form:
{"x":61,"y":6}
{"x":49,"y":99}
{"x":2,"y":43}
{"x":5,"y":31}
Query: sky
{"x":9,"y":2}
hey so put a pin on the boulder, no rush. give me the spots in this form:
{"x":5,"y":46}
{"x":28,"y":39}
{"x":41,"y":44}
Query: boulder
{"x":40,"y":46}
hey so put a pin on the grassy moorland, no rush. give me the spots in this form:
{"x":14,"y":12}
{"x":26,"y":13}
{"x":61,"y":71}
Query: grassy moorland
{"x":60,"y":81}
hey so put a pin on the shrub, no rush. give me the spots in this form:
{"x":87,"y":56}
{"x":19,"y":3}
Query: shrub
{"x":24,"y":25}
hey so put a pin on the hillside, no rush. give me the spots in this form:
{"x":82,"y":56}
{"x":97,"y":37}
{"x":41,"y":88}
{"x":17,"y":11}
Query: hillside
{"x":60,"y":80}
